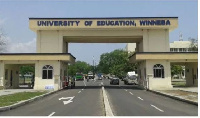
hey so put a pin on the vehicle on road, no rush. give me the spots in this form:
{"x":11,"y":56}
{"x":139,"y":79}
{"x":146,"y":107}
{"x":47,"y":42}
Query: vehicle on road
{"x":68,"y":82}
{"x":100,"y":78}
{"x":130,"y":78}
{"x":72,"y":82}
{"x":79,"y":77}
{"x":114,"y":80}
{"x":90,"y":75}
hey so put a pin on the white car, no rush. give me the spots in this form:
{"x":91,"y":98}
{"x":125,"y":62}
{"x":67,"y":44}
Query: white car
{"x":131,"y":78}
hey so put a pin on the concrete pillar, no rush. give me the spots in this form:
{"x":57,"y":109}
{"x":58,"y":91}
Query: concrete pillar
{"x":2,"y":71}
{"x":60,"y":42}
{"x":38,"y":42}
{"x":167,"y":46}
{"x":65,"y":47}
{"x":145,"y":40}
{"x":57,"y":75}
{"x":15,"y":74}
{"x":155,"y":41}
{"x":37,"y":75}
{"x":191,"y":74}
{"x":137,"y":47}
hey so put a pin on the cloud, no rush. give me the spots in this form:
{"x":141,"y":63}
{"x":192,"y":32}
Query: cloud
{"x":2,"y":21}
{"x":28,"y":47}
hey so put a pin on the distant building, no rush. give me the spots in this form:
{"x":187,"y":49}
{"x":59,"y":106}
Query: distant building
{"x":130,"y":47}
{"x":180,"y":46}
{"x":176,"y":46}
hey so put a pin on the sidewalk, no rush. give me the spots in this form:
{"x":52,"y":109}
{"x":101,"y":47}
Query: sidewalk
{"x":186,"y":96}
{"x":189,"y":89}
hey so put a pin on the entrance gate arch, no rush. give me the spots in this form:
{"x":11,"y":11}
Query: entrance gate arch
{"x":151,"y":35}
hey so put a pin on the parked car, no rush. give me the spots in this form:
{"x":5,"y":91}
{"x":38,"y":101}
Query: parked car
{"x":114,"y":80}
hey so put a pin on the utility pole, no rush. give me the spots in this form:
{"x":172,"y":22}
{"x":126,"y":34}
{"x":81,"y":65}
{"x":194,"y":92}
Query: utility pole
{"x":93,"y":66}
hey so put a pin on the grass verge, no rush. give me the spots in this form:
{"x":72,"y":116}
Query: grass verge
{"x":179,"y":84}
{"x":1,"y":87}
{"x":7,"y":100}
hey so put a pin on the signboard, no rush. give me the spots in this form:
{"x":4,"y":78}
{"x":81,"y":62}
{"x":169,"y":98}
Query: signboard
{"x":100,"y":23}
{"x":64,"y":23}
{"x":47,"y":87}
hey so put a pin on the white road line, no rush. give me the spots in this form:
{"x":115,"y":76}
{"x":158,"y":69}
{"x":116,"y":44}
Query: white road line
{"x":82,"y":89}
{"x":125,"y":89}
{"x":157,"y":108}
{"x":140,"y":98}
{"x":79,"y":91}
{"x":108,"y":109}
{"x":102,"y":83}
{"x":131,"y":93}
{"x":52,"y":114}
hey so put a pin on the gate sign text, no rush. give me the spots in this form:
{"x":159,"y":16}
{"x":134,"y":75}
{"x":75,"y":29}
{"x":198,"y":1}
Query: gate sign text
{"x":100,"y":23}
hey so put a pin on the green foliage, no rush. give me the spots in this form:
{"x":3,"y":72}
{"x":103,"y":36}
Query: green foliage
{"x":176,"y":69}
{"x":116,"y":63}
{"x":193,"y":45}
{"x":80,"y":67}
{"x":26,"y":69}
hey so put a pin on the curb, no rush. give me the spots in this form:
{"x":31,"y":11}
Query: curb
{"x":21,"y":103}
{"x":187,"y":91}
{"x":176,"y":98}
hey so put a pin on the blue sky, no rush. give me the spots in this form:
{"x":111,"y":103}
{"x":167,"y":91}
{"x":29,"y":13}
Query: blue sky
{"x":14,"y":19}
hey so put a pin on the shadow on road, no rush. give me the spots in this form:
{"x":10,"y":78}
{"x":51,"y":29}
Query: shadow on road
{"x":108,"y":87}
{"x":123,"y":87}
{"x":87,"y":87}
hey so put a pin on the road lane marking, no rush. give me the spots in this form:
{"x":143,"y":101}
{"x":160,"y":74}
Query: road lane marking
{"x":102,"y":83}
{"x":157,"y":108}
{"x":107,"y":107}
{"x":52,"y":114}
{"x":140,"y":98}
{"x":82,"y":89}
{"x":131,"y":93}
{"x":79,"y":91}
{"x":125,"y":89}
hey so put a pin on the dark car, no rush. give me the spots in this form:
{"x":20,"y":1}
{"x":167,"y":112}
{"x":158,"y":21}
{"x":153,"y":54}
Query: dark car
{"x":114,"y":80}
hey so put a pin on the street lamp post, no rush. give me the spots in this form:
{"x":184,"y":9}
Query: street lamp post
{"x":93,"y":66}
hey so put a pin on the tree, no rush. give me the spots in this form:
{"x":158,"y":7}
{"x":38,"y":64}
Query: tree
{"x":26,"y":69}
{"x":116,"y":63}
{"x":3,"y":42}
{"x":194,"y":44}
{"x":176,"y":70}
{"x":79,"y":67}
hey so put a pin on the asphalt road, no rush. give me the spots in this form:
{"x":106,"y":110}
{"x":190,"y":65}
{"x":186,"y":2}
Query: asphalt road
{"x":87,"y":97}
{"x":129,"y":100}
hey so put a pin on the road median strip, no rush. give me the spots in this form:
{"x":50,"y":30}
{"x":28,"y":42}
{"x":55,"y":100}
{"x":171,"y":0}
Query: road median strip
{"x":107,"y":107}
